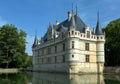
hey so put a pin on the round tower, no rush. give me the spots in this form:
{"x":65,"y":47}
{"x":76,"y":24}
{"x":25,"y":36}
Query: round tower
{"x":100,"y":53}
{"x":99,"y":46}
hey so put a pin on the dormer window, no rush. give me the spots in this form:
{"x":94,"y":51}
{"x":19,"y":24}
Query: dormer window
{"x":88,"y":34}
{"x":72,"y":32}
{"x":75,"y":33}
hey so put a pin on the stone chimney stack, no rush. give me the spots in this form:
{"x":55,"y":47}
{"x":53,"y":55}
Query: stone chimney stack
{"x":69,"y":15}
{"x":57,"y":22}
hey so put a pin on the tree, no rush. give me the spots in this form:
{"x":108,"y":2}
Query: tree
{"x":12,"y":46}
{"x":112,"y":45}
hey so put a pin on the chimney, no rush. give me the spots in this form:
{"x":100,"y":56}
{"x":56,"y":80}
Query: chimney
{"x":69,"y":15}
{"x":57,"y":22}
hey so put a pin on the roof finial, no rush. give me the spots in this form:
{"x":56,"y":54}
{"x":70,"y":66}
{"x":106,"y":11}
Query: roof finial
{"x":98,"y":15}
{"x":72,"y":7}
{"x":35,"y":41}
{"x":50,"y":23}
{"x":35,"y":32}
{"x":76,"y":9}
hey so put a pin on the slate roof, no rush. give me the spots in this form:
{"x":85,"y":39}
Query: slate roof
{"x":98,"y":30}
{"x":76,"y":20}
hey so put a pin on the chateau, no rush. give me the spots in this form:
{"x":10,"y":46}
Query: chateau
{"x":70,"y":46}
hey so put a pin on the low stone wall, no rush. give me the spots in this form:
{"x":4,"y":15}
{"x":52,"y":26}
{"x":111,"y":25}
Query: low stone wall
{"x":112,"y":70}
{"x":14,"y":70}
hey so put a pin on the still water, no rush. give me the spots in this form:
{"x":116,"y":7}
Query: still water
{"x":50,"y":78}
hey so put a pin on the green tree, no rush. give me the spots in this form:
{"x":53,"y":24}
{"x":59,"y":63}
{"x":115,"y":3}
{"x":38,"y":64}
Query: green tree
{"x":12,"y":46}
{"x":112,"y":45}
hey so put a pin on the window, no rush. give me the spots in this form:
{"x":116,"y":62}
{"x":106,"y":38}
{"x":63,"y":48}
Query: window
{"x":91,"y":36}
{"x":87,"y":46}
{"x":72,"y":56}
{"x":97,"y":37}
{"x":38,"y":60}
{"x":73,"y":44}
{"x":75,"y":33}
{"x":63,"y":46}
{"x":42,"y":51}
{"x":49,"y":51}
{"x":84,"y":35}
{"x":72,"y":32}
{"x":88,"y":34}
{"x":42,"y":60}
{"x":87,"y":58}
{"x":69,"y":33}
{"x":48,"y":60}
{"x":38,"y":52}
{"x":55,"y":49}
{"x":55,"y":59}
{"x":63,"y":58}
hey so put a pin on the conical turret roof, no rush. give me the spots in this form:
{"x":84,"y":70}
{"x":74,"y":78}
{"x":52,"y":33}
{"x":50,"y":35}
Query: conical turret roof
{"x":98,"y":30}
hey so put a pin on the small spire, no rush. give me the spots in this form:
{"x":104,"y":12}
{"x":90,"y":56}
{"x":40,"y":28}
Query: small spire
{"x":76,"y":9}
{"x":50,"y":24}
{"x":98,"y":15}
{"x":98,"y":30}
{"x":72,"y":7}
{"x":35,"y":41}
{"x":36,"y":33}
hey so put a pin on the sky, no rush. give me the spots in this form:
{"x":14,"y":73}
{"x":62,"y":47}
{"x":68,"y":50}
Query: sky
{"x":33,"y":16}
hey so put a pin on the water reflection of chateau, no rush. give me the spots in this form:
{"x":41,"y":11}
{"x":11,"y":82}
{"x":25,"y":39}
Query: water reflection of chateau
{"x":50,"y":78}
{"x":70,"y":46}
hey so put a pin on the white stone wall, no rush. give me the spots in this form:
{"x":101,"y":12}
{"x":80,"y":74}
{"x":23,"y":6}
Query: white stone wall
{"x":74,"y":58}
{"x":100,"y":51}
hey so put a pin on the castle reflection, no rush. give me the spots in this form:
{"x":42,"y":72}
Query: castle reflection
{"x":52,"y":78}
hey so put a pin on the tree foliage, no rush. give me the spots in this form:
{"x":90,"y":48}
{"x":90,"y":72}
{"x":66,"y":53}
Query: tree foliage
{"x":12,"y":47}
{"x":112,"y":45}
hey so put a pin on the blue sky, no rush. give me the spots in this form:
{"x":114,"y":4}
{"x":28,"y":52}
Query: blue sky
{"x":35,"y":15}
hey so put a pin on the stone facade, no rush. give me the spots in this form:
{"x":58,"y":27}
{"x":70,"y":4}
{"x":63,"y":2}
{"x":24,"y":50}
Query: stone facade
{"x":70,"y":47}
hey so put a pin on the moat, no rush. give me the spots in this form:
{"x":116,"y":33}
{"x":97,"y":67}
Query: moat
{"x":54,"y":78}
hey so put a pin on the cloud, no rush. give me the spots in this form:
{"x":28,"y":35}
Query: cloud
{"x":2,"y":22}
{"x":30,"y":40}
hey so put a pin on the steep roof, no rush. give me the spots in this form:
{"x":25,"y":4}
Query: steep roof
{"x":80,"y":25}
{"x":76,"y":21}
{"x":98,"y":30}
